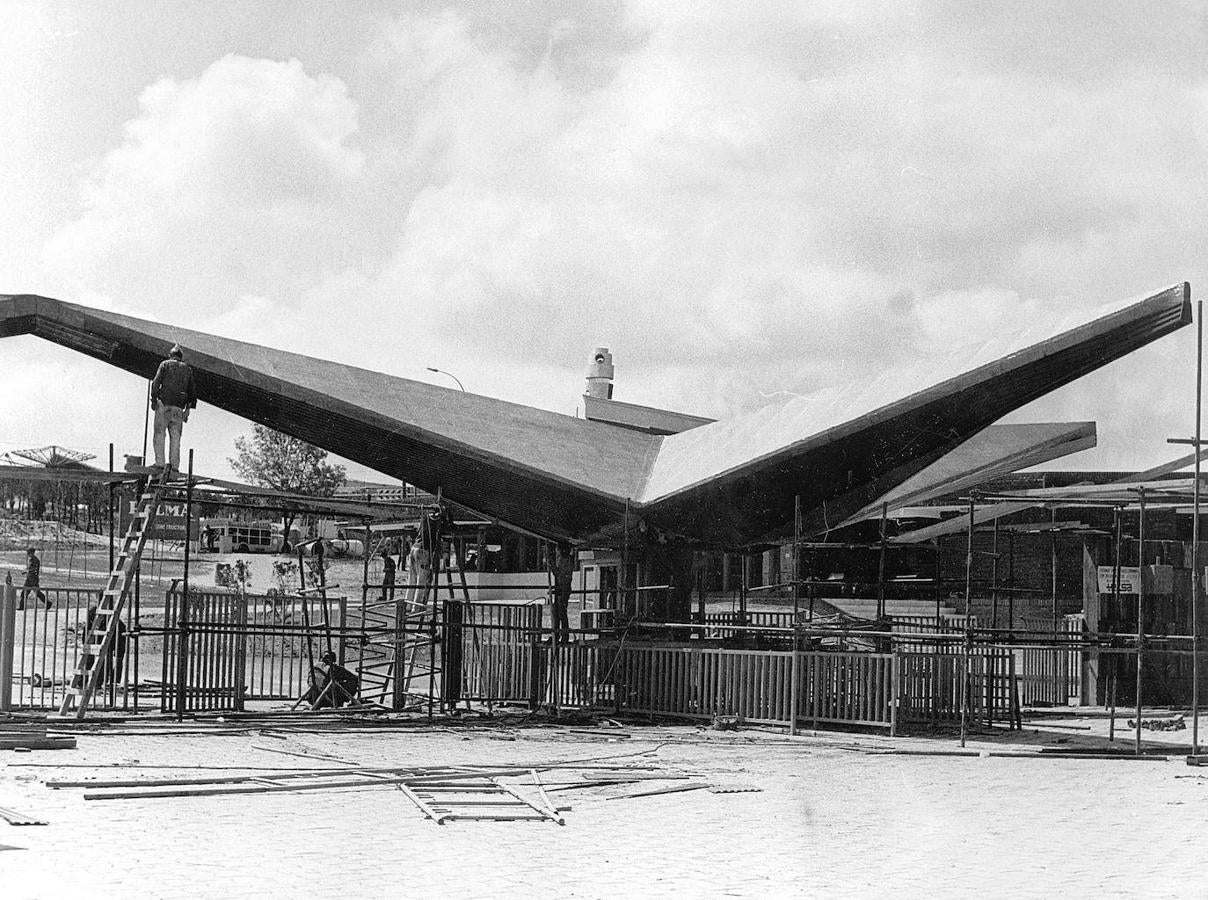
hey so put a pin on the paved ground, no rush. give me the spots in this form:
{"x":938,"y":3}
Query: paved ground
{"x":832,"y":818}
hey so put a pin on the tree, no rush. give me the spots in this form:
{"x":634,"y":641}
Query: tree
{"x":275,"y":460}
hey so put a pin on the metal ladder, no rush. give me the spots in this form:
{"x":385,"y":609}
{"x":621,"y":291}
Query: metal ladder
{"x":101,"y":633}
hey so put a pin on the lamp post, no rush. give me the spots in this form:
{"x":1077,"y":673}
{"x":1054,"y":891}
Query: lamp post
{"x":450,"y":374}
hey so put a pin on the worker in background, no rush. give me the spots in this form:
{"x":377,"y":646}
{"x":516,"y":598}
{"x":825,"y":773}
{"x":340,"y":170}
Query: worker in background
{"x":562,"y":569}
{"x":33,"y":575}
{"x":331,"y":685}
{"x":388,"y":569}
{"x":173,"y":394}
{"x":419,"y":570}
{"x":115,"y":655}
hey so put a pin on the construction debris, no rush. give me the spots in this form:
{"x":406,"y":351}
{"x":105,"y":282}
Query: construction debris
{"x":480,"y":800}
{"x":15,"y":818}
{"x":1161,"y":723}
{"x":20,"y":737}
{"x":442,"y":793}
{"x":679,"y":788}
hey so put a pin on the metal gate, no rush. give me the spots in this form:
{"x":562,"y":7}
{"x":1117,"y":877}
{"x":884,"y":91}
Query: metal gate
{"x":48,"y":632}
{"x":205,"y":652}
{"x":499,"y":645}
{"x":233,"y":647}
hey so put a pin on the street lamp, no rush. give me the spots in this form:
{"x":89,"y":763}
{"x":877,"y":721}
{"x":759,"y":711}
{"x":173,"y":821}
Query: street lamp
{"x":450,"y":374}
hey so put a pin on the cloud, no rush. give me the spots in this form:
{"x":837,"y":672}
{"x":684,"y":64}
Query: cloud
{"x":737,"y":200}
{"x":233,"y":177}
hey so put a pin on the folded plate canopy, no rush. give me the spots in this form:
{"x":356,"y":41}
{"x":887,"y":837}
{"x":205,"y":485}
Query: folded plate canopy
{"x":729,"y":483}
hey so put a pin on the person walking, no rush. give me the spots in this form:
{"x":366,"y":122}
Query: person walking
{"x":173,"y":394}
{"x":33,"y":575}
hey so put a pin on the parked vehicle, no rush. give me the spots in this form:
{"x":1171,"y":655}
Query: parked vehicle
{"x":229,"y":536}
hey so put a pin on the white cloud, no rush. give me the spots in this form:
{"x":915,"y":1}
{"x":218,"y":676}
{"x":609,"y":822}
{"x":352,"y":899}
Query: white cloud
{"x":226,"y":179}
{"x":738,"y":200}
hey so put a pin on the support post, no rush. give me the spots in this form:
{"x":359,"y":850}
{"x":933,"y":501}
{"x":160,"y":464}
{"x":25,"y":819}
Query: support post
{"x":398,"y":696}
{"x":1140,"y":609}
{"x":112,"y":488}
{"x":1116,"y":564}
{"x":1195,"y":536}
{"x":881,"y":564}
{"x":939,"y":590}
{"x":146,"y":421}
{"x":183,"y":619}
{"x":794,"y":683}
{"x":1053,"y":567}
{"x":1011,"y":580}
{"x":969,"y":561}
{"x":742,"y":588}
{"x":796,"y":581}
{"x":968,"y":597}
{"x":994,"y":579}
{"x":627,"y":598}
{"x":8,"y":637}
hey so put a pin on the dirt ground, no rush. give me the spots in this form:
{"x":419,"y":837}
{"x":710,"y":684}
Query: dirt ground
{"x":822,"y":813}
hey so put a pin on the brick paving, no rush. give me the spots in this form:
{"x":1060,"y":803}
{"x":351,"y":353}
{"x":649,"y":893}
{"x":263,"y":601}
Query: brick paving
{"x":829,"y":820}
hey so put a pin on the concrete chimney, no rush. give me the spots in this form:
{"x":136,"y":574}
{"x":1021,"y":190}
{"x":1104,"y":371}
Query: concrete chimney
{"x":599,"y":374}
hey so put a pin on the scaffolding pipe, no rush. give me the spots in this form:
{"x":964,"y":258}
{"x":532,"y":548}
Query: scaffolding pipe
{"x":881,"y":564}
{"x":1053,"y":565}
{"x":1140,"y":607}
{"x":968,"y":636}
{"x":994,"y":576}
{"x":796,"y":560}
{"x":112,"y":488}
{"x":183,"y":617}
{"x":1195,"y":537}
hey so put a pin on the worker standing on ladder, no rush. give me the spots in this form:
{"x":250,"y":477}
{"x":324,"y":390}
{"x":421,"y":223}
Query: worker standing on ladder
{"x":173,"y":394}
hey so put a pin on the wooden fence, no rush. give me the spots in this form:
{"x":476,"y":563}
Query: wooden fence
{"x":931,"y":686}
{"x":757,"y":686}
{"x":506,"y":656}
{"x":924,"y":625}
{"x":754,"y":619}
{"x":1052,"y":676}
{"x":583,"y":674}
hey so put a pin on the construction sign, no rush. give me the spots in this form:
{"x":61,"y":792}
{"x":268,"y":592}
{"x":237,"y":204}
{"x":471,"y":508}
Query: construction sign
{"x":1130,"y":579}
{"x":169,"y":524}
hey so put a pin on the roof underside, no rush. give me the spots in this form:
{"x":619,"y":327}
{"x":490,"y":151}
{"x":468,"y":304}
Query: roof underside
{"x":730,"y":483}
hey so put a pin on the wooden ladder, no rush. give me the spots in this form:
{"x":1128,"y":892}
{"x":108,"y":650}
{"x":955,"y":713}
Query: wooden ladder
{"x":482,"y":799}
{"x":100,"y":635}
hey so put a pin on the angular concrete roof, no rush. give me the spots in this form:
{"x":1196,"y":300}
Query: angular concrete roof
{"x":999,"y":450}
{"x":731,"y":482}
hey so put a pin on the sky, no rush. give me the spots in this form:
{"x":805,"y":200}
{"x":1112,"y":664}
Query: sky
{"x":739,"y":200}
